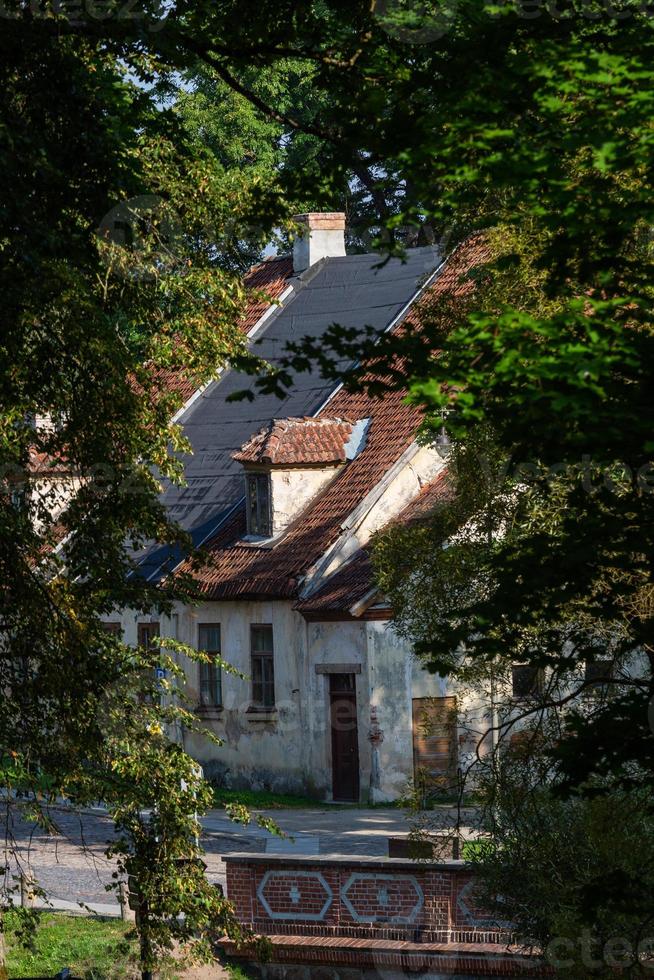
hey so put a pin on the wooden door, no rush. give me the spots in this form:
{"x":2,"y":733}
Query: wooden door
{"x":345,"y":737}
{"x":435,"y":744}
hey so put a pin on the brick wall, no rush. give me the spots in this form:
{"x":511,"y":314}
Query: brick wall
{"x":366,"y":898}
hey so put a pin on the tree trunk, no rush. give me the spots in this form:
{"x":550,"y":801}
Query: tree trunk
{"x":3,"y":959}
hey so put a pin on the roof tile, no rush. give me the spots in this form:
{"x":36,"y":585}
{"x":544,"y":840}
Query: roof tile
{"x":350,"y":583}
{"x":266,"y":281}
{"x":292,"y":442}
{"x":238,"y":569}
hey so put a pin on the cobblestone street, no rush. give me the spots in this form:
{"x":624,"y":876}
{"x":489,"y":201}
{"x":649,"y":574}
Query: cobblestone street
{"x":72,"y":868}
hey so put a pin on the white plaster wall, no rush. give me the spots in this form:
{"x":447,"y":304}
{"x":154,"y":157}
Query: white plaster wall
{"x":291,"y":749}
{"x":262,"y":751}
{"x":406,"y":485}
{"x":263,"y":754}
{"x":395,"y":677}
{"x":317,"y":244}
{"x":382,"y":505}
{"x":292,"y":490}
{"x":53,"y":494}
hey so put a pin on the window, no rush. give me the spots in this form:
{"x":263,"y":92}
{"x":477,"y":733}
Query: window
{"x":147,"y":633}
{"x":596,"y":673}
{"x":211,"y":684}
{"x":526,"y":681}
{"x":114,"y":628}
{"x":19,"y":497}
{"x":258,"y":493}
{"x":263,"y":670}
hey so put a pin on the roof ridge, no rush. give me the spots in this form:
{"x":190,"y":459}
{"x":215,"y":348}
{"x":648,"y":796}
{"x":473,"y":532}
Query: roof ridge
{"x":277,"y":570}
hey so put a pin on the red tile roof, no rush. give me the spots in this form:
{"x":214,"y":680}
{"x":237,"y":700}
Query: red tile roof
{"x":238,"y":569}
{"x":292,"y":442}
{"x":431,"y":495}
{"x":41,"y":463}
{"x":52,"y":537}
{"x":343,"y":589}
{"x":269,"y":279}
{"x":350,"y":583}
{"x":266,"y":281}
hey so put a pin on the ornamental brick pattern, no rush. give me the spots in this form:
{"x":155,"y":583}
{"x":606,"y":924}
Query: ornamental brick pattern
{"x":338,"y":896}
{"x":372,"y":913}
{"x":293,"y":895}
{"x":378,"y":898}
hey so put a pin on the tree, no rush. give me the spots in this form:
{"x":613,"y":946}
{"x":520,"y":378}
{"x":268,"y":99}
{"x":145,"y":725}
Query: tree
{"x":574,"y":888}
{"x":92,"y":151}
{"x":244,"y":140}
{"x":543,"y":372}
{"x":88,"y":326}
{"x":548,"y":141}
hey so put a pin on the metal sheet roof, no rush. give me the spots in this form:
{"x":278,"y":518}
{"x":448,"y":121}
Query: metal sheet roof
{"x":349,"y":291}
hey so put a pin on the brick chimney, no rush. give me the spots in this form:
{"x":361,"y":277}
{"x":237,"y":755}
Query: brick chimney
{"x":321,"y":235}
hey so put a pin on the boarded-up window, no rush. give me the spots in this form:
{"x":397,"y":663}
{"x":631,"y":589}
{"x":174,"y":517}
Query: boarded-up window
{"x":435,"y":744}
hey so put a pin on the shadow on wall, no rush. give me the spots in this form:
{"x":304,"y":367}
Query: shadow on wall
{"x":264,"y":780}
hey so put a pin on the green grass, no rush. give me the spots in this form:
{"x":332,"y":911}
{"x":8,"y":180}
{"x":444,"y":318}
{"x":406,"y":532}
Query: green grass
{"x":235,"y":970}
{"x":263,"y":800}
{"x":472,"y":849}
{"x":94,"y":949}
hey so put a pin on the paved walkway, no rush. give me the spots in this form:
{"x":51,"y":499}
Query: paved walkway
{"x":72,"y":867}
{"x":327,"y":831}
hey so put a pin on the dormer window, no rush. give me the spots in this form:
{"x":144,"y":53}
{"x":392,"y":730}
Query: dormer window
{"x":289,"y":463}
{"x":258,"y":502}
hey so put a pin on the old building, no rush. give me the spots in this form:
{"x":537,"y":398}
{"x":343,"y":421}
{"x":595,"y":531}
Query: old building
{"x":285,"y":496}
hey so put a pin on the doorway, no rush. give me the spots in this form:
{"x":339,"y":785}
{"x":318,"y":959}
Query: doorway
{"x":345,"y":737}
